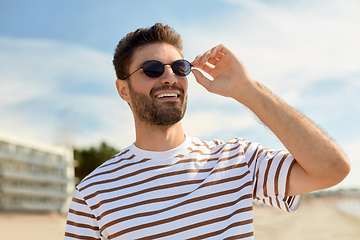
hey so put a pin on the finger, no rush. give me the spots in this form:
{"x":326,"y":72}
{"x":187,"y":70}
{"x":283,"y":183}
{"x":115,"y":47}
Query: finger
{"x":224,"y":50}
{"x":197,"y":60}
{"x":201,"y":79}
{"x":207,"y":68}
{"x":214,"y":61}
{"x":215,"y":52}
{"x":196,"y":63}
{"x":205,"y":57}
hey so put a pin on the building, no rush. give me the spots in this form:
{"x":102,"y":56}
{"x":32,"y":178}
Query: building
{"x":35,"y":176}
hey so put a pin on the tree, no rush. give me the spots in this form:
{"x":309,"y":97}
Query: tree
{"x":91,"y":158}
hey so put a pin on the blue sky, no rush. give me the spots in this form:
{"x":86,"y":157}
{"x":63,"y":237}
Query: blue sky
{"x":58,"y":83}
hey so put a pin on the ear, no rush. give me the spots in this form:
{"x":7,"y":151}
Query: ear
{"x":123,"y":89}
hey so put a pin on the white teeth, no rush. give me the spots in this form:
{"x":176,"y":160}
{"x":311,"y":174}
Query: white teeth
{"x":166,"y":95}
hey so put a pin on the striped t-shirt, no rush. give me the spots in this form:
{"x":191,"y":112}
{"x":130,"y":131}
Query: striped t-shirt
{"x":199,"y":190}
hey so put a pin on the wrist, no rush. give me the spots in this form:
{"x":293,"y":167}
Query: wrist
{"x":249,"y":94}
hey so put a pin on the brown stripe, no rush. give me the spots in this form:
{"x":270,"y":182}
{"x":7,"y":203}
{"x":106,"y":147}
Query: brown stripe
{"x":78,"y":213}
{"x":288,"y":178}
{"x":277,"y":176}
{"x":100,"y":173}
{"x":232,"y":141}
{"x":200,"y":224}
{"x":231,"y":157}
{"x":158,"y":176}
{"x":252,"y":159}
{"x":228,"y":167}
{"x":118,"y":155}
{"x":146,"y":170}
{"x":256,"y":175}
{"x":247,"y":147}
{"x":278,"y":202}
{"x":256,"y":185}
{"x":80,"y":201}
{"x":290,"y":202}
{"x":202,"y":145}
{"x":287,"y":208}
{"x":266,"y":175}
{"x":239,"y":236}
{"x":157,"y":187}
{"x":119,"y":168}
{"x":81,"y":225}
{"x":235,"y":224}
{"x":163,"y":199}
{"x":271,"y":201}
{"x":169,"y":174}
{"x":232,"y":149}
{"x":146,"y":201}
{"x":292,"y":198}
{"x":80,"y":237}
{"x":206,"y":154}
{"x":188,"y":201}
{"x":216,"y":142}
{"x":123,"y":176}
{"x":259,"y":152}
{"x":115,"y":156}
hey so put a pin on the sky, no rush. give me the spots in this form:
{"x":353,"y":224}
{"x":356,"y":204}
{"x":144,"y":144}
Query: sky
{"x":57,"y":82}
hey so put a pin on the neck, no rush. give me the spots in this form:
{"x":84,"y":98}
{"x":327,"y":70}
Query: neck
{"x":158,"y":138}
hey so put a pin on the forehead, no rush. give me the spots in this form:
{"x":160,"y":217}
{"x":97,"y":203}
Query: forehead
{"x":162,"y":52}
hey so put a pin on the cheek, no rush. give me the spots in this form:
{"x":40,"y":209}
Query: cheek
{"x":185,"y":86}
{"x":183,"y":82}
{"x":141,"y":86}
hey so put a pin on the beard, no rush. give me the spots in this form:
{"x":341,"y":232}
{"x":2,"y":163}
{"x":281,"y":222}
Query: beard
{"x":152,"y":112}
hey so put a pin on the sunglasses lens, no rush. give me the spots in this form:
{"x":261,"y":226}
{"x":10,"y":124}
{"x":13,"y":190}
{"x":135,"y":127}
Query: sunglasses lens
{"x":153,"y":69}
{"x":181,"y":67}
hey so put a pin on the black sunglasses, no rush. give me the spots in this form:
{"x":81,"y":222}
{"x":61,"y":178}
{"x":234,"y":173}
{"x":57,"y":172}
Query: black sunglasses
{"x":154,"y":68}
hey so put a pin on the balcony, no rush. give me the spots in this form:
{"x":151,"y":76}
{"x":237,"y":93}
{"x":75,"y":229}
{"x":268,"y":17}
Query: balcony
{"x":33,"y":192}
{"x":24,"y":158}
{"x":34,"y":177}
{"x":31,"y":206}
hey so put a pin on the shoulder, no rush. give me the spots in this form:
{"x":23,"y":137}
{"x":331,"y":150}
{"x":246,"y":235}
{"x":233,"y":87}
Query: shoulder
{"x":107,"y":167}
{"x":233,"y":144}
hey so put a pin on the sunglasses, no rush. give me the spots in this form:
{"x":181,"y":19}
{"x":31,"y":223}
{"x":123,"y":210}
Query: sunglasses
{"x":154,"y":68}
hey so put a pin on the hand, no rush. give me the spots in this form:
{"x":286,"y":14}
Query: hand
{"x":230,"y":77}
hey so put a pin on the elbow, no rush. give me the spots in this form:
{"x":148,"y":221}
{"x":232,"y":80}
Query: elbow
{"x":340,"y":169}
{"x":345,"y":168}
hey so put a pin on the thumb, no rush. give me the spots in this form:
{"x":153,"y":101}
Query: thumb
{"x":202,"y":80}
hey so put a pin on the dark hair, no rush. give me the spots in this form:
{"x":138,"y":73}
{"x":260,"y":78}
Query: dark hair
{"x":141,"y":37}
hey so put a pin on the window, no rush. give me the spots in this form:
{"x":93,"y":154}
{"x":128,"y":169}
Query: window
{"x":4,"y":147}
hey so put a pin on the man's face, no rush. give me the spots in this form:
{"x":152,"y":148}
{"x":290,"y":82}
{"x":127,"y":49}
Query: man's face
{"x":162,"y":100}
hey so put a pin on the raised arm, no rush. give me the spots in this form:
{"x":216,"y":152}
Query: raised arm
{"x":320,"y":162}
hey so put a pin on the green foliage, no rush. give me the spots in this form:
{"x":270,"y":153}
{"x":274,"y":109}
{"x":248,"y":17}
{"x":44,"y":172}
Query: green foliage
{"x":91,"y":158}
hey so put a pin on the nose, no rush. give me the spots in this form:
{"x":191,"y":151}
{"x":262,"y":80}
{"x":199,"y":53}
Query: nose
{"x":168,"y":77}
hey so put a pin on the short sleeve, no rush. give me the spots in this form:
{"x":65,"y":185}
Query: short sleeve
{"x":81,"y":222}
{"x":271,"y":171}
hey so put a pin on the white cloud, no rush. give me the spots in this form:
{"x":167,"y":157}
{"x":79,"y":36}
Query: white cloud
{"x":60,"y":92}
{"x":287,"y":45}
{"x":291,"y":47}
{"x":299,"y":49}
{"x":55,"y":91}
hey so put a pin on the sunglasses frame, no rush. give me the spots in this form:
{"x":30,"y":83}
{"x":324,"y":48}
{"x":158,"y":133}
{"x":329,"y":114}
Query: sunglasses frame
{"x":163,"y":65}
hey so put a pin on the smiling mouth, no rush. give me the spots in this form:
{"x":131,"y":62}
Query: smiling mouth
{"x":167,"y":95}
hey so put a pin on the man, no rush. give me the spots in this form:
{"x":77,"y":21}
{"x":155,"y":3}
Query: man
{"x":168,"y":185}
